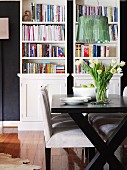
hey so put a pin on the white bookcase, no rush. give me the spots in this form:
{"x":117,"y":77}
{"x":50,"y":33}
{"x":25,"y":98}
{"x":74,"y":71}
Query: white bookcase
{"x":43,"y":57}
{"x":107,"y":51}
{"x":44,"y":38}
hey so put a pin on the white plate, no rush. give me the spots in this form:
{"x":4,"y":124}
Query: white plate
{"x":74,"y":100}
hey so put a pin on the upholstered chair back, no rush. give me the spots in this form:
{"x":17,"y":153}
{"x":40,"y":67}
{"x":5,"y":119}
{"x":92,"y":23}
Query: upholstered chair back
{"x":125,"y":91}
{"x":46,"y":116}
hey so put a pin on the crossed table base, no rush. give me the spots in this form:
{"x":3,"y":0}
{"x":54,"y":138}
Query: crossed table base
{"x":105,"y":149}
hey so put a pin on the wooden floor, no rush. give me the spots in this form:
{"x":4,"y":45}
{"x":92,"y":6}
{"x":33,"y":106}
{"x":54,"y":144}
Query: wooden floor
{"x":30,"y":145}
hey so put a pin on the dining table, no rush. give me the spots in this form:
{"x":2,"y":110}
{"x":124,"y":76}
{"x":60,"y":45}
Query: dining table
{"x":105,"y":149}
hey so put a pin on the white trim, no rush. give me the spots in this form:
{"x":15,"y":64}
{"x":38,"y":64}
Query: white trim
{"x":24,"y":126}
{"x":10,"y":123}
{"x":85,"y":76}
{"x":43,"y":76}
{"x":1,"y":124}
{"x":30,"y":126}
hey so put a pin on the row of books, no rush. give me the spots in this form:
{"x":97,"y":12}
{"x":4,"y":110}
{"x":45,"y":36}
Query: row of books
{"x":113,"y":32}
{"x":79,"y":69}
{"x":43,"y":32}
{"x":110,"y":12}
{"x":42,"y":50}
{"x":89,"y":50}
{"x":47,"y":13}
{"x":46,"y":67}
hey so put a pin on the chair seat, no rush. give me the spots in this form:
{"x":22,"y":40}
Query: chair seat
{"x":66,"y":137}
{"x":106,"y":127}
{"x":107,"y":130}
{"x":93,"y":117}
{"x":62,"y":120}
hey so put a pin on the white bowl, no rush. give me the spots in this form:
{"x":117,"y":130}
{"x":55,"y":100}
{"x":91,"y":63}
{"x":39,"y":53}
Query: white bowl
{"x":84,"y":92}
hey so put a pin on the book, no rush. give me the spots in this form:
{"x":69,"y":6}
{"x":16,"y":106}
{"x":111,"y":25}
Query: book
{"x":61,"y":52}
{"x":102,"y":51}
{"x":78,"y":50}
{"x":33,"y":11}
{"x":90,"y":50}
{"x":98,"y":51}
{"x":107,"y":51}
{"x":94,"y":50}
{"x":86,"y":50}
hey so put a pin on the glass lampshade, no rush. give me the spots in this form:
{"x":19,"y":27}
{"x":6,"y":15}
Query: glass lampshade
{"x":93,"y":29}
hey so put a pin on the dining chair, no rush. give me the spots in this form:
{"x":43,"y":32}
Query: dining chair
{"x":106,"y":125}
{"x":64,"y":120}
{"x":96,"y":118}
{"x":60,"y":136}
{"x":58,"y":119}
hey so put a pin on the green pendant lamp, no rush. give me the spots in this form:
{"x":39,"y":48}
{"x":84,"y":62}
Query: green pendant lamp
{"x":93,"y":29}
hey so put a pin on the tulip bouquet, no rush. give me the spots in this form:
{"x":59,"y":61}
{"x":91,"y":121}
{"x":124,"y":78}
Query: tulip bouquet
{"x":101,"y":74}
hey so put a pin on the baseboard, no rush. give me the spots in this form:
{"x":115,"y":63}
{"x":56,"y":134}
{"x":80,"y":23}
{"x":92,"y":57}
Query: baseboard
{"x":10,"y":123}
{"x":24,"y":126}
{"x":31,"y":126}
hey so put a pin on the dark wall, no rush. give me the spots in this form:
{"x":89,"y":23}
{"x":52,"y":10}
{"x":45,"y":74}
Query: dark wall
{"x":69,"y":46}
{"x":123,"y":41}
{"x":10,"y":62}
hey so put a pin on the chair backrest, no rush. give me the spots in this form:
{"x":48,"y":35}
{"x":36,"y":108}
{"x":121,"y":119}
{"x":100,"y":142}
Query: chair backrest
{"x":46,"y":116}
{"x":125,"y":91}
{"x":44,"y":88}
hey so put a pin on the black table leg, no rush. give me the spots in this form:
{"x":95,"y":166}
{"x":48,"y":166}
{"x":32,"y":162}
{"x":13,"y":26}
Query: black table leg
{"x":106,"y":150}
{"x":48,"y":158}
{"x":91,"y":153}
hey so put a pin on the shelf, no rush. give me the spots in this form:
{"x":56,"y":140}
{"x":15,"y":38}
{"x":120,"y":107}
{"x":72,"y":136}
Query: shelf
{"x":45,"y":42}
{"x":43,"y":58}
{"x":44,"y":76}
{"x":111,"y":43}
{"x":40,"y":23}
{"x":99,"y":58}
{"x":110,"y":23}
{"x":88,"y":75}
{"x":114,"y":23}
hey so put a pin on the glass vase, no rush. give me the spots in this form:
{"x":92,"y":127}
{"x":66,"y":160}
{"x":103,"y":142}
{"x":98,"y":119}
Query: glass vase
{"x":102,"y":92}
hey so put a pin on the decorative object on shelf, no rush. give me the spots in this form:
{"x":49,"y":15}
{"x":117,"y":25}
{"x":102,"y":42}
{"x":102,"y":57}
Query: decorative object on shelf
{"x":93,"y":29}
{"x":27,"y":16}
{"x":101,"y":75}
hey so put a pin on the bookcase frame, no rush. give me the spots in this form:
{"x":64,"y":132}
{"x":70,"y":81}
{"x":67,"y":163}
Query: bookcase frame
{"x":115,"y":54}
{"x":31,"y":116}
{"x":25,"y":5}
{"x":85,"y":78}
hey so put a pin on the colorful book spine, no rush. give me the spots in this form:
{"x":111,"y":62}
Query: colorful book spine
{"x":107,"y":51}
{"x":94,"y":50}
{"x":33,"y":11}
{"x":78,"y":50}
{"x":86,"y":50}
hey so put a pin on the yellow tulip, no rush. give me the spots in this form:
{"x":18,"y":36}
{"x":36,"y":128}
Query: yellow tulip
{"x":99,"y":71}
{"x":122,"y":63}
{"x":95,"y":61}
{"x":92,"y":65}
{"x":113,"y":70}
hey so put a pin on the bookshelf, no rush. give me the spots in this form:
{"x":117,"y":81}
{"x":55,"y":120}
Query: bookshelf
{"x":44,"y":37}
{"x":104,"y":52}
{"x":43,"y":56}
